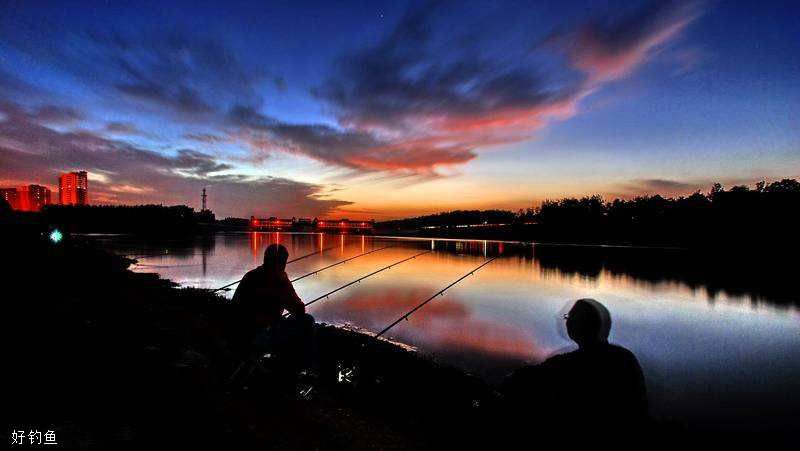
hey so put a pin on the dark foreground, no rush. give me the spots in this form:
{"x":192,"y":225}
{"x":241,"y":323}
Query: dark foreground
{"x":105,"y":357}
{"x":109,"y":358}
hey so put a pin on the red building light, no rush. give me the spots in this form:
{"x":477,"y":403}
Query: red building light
{"x":73,"y":188}
{"x":27,"y":197}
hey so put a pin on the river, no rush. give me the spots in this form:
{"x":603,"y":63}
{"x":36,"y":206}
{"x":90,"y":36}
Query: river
{"x":710,"y":357}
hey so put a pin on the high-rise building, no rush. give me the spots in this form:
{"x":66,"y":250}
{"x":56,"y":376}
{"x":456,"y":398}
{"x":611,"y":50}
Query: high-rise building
{"x":11,"y":195}
{"x":33,"y":197}
{"x":73,"y":188}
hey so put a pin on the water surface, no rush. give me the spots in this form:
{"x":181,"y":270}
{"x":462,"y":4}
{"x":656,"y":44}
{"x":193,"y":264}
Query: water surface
{"x":709,"y":356}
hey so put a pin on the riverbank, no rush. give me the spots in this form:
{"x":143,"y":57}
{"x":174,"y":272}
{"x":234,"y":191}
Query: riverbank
{"x":107,"y":357}
{"x":110,"y":358}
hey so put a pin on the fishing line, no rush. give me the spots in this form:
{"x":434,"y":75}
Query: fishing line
{"x":338,"y":263}
{"x":438,"y":293}
{"x":290,"y":261}
{"x":364,"y":277}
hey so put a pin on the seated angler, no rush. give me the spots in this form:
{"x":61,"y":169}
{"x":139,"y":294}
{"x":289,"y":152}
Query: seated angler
{"x":599,"y":386}
{"x":262,"y":296}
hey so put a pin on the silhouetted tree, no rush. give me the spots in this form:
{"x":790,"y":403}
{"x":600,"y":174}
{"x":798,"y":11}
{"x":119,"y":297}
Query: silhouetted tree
{"x":748,"y":217}
{"x":122,"y":218}
{"x":784,"y":186}
{"x":720,"y":216}
{"x":5,"y":207}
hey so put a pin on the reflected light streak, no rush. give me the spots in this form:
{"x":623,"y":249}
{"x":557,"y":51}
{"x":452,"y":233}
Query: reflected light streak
{"x":444,"y":323}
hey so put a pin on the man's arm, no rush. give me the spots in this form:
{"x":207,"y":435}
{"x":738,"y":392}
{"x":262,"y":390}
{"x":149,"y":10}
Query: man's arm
{"x":240,"y":292}
{"x":291,"y":301}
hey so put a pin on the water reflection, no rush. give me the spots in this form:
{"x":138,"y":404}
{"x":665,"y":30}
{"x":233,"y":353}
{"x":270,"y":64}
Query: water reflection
{"x":650,"y":269}
{"x":688,"y":319}
{"x":446,"y":324}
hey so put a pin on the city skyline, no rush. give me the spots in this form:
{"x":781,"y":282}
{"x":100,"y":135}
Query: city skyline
{"x":73,"y":189}
{"x":399,"y":108}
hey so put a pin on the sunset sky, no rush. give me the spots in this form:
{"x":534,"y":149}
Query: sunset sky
{"x":388,"y":109}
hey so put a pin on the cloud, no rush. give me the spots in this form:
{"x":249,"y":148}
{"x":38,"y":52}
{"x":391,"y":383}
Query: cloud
{"x":406,"y":81}
{"x":426,"y":103}
{"x":129,"y":189}
{"x":33,"y":152}
{"x":56,"y":114}
{"x":662,"y":184}
{"x":44,"y":114}
{"x":611,"y":48}
{"x":184,"y":73}
{"x":422,"y":99}
{"x":11,"y":85}
{"x":180,"y":98}
{"x":198,"y":163}
{"x":123,"y":128}
{"x":207,"y":138}
{"x":430,"y":108}
{"x":664,"y":187}
{"x":355,"y":149}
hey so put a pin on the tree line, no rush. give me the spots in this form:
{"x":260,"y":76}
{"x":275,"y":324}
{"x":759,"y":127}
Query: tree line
{"x":112,"y":218}
{"x":766,"y":212}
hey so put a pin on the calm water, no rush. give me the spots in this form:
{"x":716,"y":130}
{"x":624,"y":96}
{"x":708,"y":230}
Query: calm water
{"x":706,"y":356}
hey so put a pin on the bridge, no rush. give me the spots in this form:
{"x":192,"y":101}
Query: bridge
{"x":275,"y":224}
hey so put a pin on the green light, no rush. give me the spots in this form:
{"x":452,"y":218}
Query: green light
{"x":56,"y":236}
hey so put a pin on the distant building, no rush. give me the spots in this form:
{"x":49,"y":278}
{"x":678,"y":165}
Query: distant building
{"x":344,"y":225}
{"x":309,"y":225}
{"x":26,"y":198}
{"x":271,"y":223}
{"x":33,"y":197}
{"x":11,"y":195}
{"x":73,"y":188}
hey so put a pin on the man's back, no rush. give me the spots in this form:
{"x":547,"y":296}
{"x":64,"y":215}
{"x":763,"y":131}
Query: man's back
{"x":603,"y":383}
{"x":264,"y":293}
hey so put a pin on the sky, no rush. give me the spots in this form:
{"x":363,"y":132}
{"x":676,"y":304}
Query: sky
{"x":371,"y":109}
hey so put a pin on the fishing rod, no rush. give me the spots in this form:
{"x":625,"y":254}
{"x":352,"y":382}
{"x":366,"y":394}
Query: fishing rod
{"x":338,"y":263}
{"x":290,"y":261}
{"x":438,"y":293}
{"x":364,"y":277}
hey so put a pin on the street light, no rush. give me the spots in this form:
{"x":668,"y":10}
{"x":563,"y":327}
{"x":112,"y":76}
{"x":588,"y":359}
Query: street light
{"x":56,"y":236}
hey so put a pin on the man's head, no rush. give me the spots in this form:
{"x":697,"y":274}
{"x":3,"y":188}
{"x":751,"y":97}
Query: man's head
{"x":588,"y":323}
{"x":275,"y":256}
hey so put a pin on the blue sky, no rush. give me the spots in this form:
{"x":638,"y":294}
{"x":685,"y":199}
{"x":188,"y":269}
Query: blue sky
{"x":388,"y":109}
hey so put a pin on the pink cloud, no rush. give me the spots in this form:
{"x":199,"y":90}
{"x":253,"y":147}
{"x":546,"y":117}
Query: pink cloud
{"x":418,"y":110}
{"x":611,"y":52}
